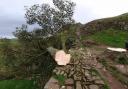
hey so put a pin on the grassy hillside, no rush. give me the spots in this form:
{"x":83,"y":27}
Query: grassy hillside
{"x":110,"y":37}
{"x":112,"y":31}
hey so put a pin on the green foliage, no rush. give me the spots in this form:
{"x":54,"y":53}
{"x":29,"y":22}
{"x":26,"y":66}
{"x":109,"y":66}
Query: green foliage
{"x":23,"y":35}
{"x":123,"y":60}
{"x":17,"y":84}
{"x":61,"y":79}
{"x":70,"y":42}
{"x":7,"y":54}
{"x":51,"y":19}
{"x":105,"y":86}
{"x":68,"y":36}
{"x":111,"y":37}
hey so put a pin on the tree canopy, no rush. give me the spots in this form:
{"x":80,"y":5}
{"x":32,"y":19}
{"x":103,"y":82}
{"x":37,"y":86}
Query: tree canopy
{"x":51,"y":19}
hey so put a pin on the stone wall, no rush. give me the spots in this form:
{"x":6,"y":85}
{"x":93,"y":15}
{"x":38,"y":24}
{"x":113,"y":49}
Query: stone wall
{"x":81,"y":72}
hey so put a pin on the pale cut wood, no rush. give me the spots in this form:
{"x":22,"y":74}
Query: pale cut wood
{"x":117,"y":49}
{"x":60,"y":56}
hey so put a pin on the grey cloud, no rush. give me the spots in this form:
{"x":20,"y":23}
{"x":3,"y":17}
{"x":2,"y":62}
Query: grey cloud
{"x":8,"y":23}
{"x":12,"y":15}
{"x":7,"y":28}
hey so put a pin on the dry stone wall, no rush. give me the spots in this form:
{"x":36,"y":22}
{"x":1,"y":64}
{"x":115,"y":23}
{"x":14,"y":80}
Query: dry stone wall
{"x":81,"y":73}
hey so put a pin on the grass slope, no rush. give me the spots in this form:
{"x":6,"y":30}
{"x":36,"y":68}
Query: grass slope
{"x":110,"y":37}
{"x":17,"y":84}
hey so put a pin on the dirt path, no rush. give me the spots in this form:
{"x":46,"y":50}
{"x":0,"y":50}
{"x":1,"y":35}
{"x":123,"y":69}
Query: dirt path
{"x":113,"y":82}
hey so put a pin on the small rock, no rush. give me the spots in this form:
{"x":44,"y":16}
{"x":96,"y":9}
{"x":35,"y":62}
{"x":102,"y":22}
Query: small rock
{"x":99,"y":81}
{"x":83,"y":71}
{"x":76,"y":77}
{"x":71,"y":73}
{"x":93,"y":87}
{"x":69,"y":81}
{"x":69,"y":87}
{"x":65,"y":74}
{"x":84,"y":79}
{"x":62,"y":73}
{"x":86,"y":73}
{"x":78,"y":85}
{"x":96,"y":78}
{"x":63,"y":87}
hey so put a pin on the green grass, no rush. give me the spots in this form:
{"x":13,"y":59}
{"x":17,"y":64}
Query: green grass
{"x":17,"y":84}
{"x":11,"y":42}
{"x":14,"y":42}
{"x":110,"y":37}
{"x":60,"y":78}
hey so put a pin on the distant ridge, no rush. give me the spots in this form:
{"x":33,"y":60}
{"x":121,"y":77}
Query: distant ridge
{"x":119,"y":22}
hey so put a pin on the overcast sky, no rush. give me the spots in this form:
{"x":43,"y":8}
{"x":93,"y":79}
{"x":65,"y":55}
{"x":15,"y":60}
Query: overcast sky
{"x":12,"y":11}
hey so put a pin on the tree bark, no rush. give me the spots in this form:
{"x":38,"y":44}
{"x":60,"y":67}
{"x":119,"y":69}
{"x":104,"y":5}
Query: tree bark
{"x":52,"y":51}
